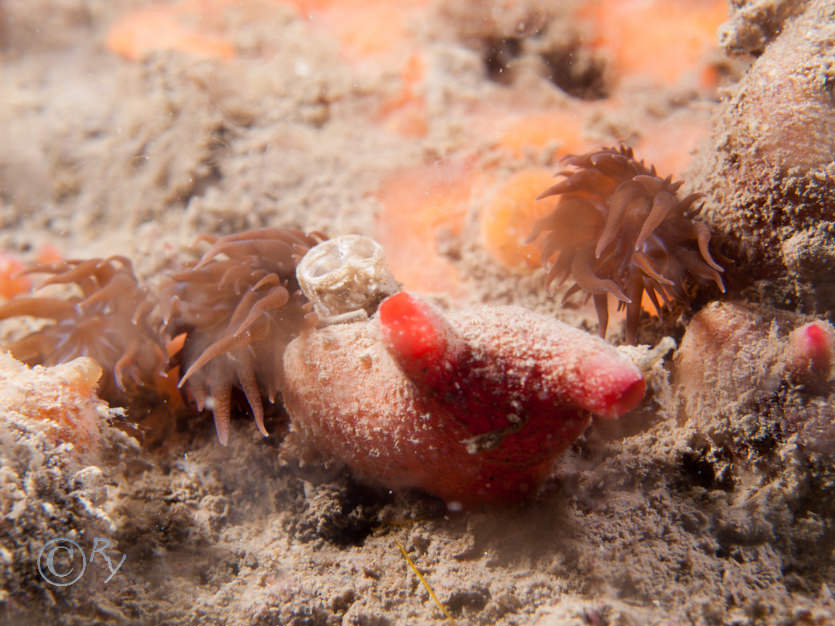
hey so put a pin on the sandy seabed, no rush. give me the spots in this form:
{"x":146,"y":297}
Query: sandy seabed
{"x":701,"y":507}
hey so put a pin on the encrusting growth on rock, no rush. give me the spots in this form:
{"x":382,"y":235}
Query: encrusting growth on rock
{"x":767,"y":168}
{"x":620,"y":229}
{"x":58,"y":400}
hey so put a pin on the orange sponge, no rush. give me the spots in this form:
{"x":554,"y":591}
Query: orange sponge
{"x":180,"y":26}
{"x":11,"y":282}
{"x":536,"y":130}
{"x":509,"y":216}
{"x":662,"y":39}
{"x":419,"y":206}
{"x":405,"y":112}
{"x":364,"y":28}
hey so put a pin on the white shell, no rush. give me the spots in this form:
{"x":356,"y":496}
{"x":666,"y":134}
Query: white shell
{"x":345,"y":278}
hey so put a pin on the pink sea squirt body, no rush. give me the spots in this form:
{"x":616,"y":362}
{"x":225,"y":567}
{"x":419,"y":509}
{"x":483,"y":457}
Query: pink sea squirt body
{"x":470,"y":405}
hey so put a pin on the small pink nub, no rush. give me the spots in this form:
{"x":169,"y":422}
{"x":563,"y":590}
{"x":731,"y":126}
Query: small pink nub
{"x":608,"y":385}
{"x":811,"y":349}
{"x":414,"y":333}
{"x":627,"y":398}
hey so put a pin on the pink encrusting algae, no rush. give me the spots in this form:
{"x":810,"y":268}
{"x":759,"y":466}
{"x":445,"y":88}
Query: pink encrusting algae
{"x":472,"y":405}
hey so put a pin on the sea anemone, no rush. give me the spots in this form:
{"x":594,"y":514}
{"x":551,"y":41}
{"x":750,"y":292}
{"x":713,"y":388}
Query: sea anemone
{"x":109,"y":320}
{"x":235,"y":310}
{"x":621,"y":229}
{"x":239,"y":306}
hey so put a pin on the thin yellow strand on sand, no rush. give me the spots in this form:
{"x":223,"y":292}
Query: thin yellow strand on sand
{"x":424,"y":582}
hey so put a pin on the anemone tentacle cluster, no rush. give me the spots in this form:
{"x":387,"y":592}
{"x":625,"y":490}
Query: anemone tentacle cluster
{"x":110,"y":319}
{"x":239,"y":306}
{"x":620,"y":229}
{"x":235,"y":309}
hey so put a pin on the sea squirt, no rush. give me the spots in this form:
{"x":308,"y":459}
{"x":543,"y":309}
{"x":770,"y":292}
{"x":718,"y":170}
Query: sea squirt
{"x":749,"y":375}
{"x":471,"y":405}
{"x":620,"y":229}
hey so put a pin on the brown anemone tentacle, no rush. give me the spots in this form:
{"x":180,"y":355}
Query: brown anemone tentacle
{"x":249,"y":384}
{"x":623,"y":197}
{"x":581,"y":269}
{"x":641,"y":260}
{"x":702,"y":234}
{"x":275,"y":299}
{"x":221,"y":346}
{"x":45,"y":308}
{"x":662,"y":204}
{"x":601,"y":307}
